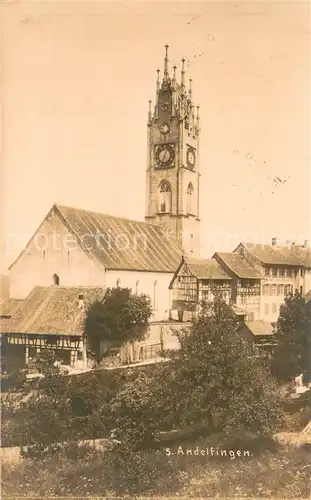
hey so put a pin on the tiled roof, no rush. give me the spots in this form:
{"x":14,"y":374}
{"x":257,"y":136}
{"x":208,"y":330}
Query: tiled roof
{"x":120,"y":243}
{"x":53,"y":310}
{"x":259,"y":328}
{"x":238,"y":265}
{"x":274,"y":254}
{"x":207,"y":269}
{"x":8,"y":307}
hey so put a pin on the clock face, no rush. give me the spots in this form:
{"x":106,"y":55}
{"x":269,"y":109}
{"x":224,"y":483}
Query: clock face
{"x":164,"y":155}
{"x":191,"y":157}
{"x":164,"y":128}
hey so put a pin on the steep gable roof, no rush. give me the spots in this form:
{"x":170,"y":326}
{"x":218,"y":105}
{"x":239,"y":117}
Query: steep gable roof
{"x":207,"y":269}
{"x":274,"y":254}
{"x":118,"y":243}
{"x":52,"y":310}
{"x":237,"y":264}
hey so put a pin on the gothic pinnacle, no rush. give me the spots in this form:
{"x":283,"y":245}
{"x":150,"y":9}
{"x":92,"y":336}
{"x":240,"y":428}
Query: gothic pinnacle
{"x":183,"y":72}
{"x":190,"y":89}
{"x":166,"y":62}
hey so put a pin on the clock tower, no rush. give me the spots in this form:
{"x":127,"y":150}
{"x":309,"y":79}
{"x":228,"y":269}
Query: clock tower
{"x":173,"y":176}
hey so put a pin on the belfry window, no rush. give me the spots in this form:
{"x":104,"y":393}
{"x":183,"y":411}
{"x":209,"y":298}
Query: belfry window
{"x":165,"y":197}
{"x":190,"y":199}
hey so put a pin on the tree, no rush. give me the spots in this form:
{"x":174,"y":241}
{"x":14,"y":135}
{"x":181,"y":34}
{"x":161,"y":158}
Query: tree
{"x":292,"y":354}
{"x":212,"y":383}
{"x":120,"y":317}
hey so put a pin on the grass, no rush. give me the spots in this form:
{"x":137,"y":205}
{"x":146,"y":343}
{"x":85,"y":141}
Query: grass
{"x":271,"y":471}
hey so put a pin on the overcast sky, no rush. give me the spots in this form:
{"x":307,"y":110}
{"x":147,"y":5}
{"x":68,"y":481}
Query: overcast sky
{"x":77,"y":78}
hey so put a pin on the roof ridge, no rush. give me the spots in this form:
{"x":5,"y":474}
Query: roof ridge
{"x":95,"y":212}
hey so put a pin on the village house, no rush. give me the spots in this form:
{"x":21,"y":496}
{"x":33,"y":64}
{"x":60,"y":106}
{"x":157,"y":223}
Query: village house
{"x":283,"y":269}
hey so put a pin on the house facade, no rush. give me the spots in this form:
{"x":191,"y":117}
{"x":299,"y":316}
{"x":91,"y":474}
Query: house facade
{"x":283,"y":269}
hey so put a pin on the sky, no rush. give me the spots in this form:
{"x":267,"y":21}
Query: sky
{"x":76,"y":80}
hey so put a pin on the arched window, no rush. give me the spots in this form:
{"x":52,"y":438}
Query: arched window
{"x":155,"y":295}
{"x":136,"y":287}
{"x":190,"y":199}
{"x":165,"y":197}
{"x":55,"y":279}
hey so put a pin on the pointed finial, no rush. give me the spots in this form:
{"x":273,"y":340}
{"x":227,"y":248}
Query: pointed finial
{"x":166,"y":62}
{"x":183,"y":72}
{"x":149,"y":110}
{"x":158,"y":80}
{"x":190,"y":89}
{"x":174,"y":72}
{"x":198,"y":117}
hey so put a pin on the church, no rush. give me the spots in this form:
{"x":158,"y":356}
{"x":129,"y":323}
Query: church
{"x":85,"y":252}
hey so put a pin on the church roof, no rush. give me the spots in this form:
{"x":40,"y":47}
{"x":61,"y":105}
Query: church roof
{"x":53,"y":310}
{"x":120,"y":243}
{"x":293,"y":255}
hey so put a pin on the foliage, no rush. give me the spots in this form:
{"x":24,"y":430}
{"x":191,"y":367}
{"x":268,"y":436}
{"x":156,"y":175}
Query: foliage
{"x":61,"y":409}
{"x":292,"y":354}
{"x":281,"y":473}
{"x":122,"y":316}
{"x":212,"y":382}
{"x":47,"y":363}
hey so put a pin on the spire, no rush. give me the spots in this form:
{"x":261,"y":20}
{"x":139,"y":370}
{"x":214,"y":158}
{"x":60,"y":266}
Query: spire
{"x":183,"y":72}
{"x":166,"y":62}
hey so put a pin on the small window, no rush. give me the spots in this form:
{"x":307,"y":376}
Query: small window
{"x":273,"y":289}
{"x":288,"y":289}
{"x":301,"y":273}
{"x":282,"y":272}
{"x":274,"y":271}
{"x":301,"y":290}
{"x":55,"y":279}
{"x":266,"y":290}
{"x":267,"y":271}
{"x":289,"y":273}
{"x":280,"y":289}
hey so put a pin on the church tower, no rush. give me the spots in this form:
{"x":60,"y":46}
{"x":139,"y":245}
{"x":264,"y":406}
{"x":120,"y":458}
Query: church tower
{"x":173,"y":175}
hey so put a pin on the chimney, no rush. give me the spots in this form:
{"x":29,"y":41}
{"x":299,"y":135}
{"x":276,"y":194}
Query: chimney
{"x":274,"y":241}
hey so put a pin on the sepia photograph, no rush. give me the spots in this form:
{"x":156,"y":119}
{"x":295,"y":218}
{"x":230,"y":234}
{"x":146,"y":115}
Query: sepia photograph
{"x":155,"y":299}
